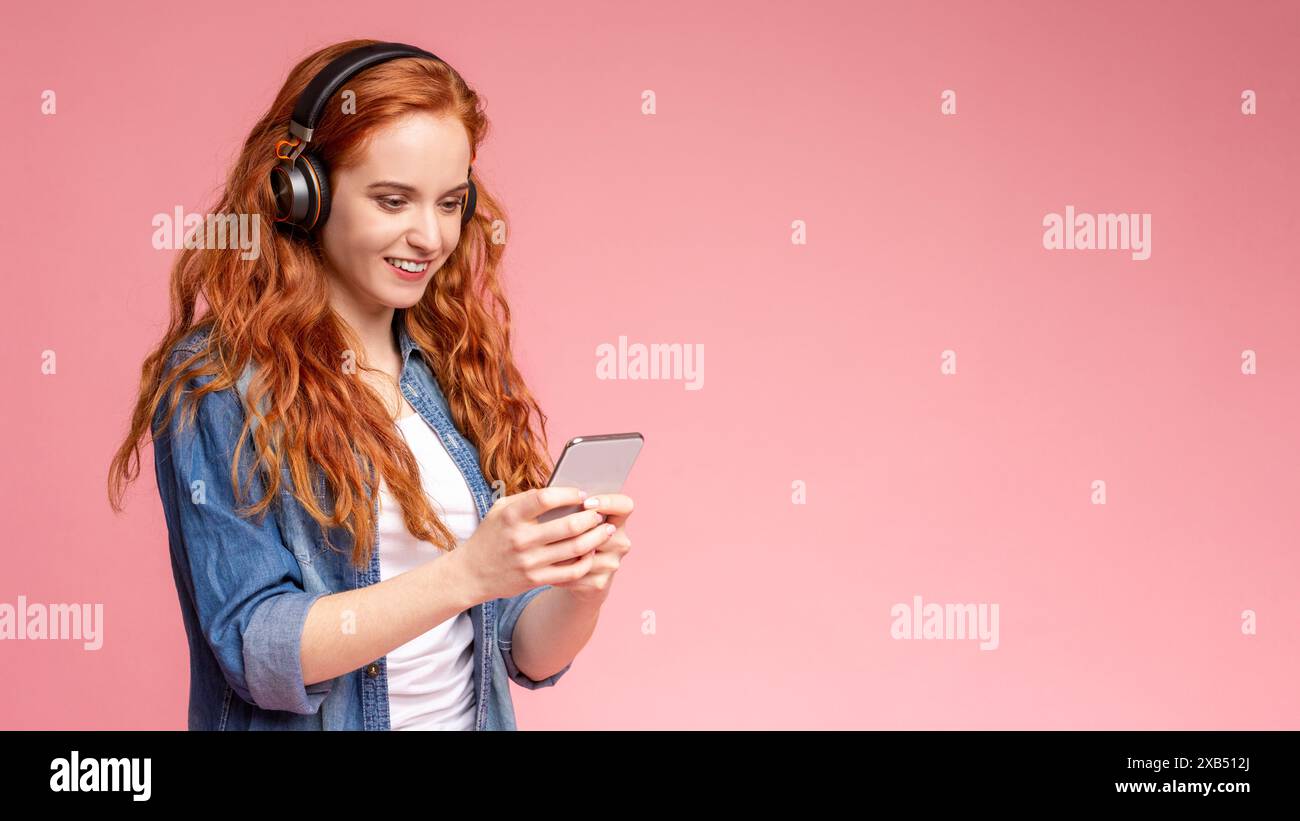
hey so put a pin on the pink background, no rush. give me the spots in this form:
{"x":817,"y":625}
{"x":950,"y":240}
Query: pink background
{"x":822,"y":361}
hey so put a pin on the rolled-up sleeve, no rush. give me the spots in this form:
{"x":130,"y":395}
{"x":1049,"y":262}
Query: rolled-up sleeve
{"x":245,"y":583}
{"x":510,"y":610}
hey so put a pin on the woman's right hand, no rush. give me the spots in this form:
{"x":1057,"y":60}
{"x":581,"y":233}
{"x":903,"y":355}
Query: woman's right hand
{"x":511,"y":552}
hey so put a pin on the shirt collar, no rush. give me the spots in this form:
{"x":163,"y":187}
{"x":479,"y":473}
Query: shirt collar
{"x":405,"y":344}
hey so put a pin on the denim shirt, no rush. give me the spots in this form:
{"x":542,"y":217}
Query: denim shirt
{"x":245,"y":585}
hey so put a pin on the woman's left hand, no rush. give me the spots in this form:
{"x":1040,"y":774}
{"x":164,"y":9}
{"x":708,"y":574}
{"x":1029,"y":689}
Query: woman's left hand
{"x":594,"y":586}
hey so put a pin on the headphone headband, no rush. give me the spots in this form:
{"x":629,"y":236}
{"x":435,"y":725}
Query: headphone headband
{"x":311,"y":104}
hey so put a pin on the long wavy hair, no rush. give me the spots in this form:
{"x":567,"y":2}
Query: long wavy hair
{"x":273,"y":309}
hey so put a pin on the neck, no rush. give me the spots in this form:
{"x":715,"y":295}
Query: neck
{"x":373,"y":323}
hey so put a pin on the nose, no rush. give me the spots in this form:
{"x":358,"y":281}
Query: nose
{"x":423,"y":234}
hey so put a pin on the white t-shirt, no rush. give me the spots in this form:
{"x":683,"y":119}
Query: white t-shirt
{"x":431,"y":677}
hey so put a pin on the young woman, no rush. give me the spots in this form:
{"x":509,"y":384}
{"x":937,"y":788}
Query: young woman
{"x":352,"y":484}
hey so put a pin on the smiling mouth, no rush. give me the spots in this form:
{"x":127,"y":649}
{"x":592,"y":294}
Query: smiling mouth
{"x":409,"y":266}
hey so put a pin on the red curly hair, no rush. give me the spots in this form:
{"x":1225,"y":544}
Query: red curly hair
{"x":274,"y":310}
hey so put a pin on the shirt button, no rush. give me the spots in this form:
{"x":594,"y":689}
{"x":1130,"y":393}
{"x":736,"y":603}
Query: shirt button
{"x":372,"y":670}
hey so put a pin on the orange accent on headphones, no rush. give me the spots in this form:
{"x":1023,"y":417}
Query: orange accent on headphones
{"x":292,"y":143}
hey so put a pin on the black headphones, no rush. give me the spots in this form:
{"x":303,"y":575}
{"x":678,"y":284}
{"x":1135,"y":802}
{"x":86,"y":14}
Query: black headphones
{"x":301,"y":179}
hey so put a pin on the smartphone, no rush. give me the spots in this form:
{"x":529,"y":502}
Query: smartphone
{"x":595,"y":464}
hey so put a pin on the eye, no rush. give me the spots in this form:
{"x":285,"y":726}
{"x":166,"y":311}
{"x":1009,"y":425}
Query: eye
{"x":391,"y":203}
{"x":452,"y":206}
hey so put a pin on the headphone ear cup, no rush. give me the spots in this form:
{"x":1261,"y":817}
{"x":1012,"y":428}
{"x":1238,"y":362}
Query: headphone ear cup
{"x":302,"y":193}
{"x":318,"y":187}
{"x":471,"y":198}
{"x":287,"y":186}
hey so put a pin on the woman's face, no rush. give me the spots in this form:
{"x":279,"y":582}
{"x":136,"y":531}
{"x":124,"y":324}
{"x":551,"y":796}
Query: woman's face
{"x":402,"y":202}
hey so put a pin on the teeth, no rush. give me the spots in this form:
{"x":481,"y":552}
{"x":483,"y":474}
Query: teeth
{"x":413,"y":267}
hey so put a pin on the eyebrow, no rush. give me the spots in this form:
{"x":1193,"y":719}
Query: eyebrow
{"x":411,"y":189}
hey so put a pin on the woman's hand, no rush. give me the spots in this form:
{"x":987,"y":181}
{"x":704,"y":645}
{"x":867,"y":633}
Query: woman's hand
{"x":594,"y":584}
{"x":511,"y":552}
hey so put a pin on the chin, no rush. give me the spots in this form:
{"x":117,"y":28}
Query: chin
{"x":405,"y":299}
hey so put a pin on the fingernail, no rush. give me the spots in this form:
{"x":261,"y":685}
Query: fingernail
{"x":610,"y":528}
{"x":594,"y":501}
